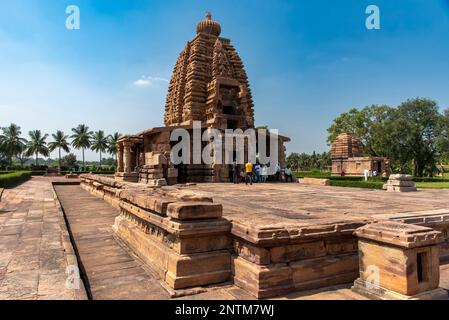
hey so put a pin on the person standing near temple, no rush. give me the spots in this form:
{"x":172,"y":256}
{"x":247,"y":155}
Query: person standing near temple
{"x":278,"y":172}
{"x":235,"y":172}
{"x":288,"y":174}
{"x":264,"y":173}
{"x":249,"y":173}
{"x":258,"y":171}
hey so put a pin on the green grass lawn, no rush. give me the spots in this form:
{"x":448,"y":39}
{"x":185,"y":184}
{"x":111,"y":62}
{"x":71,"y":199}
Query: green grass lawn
{"x":433,"y":185}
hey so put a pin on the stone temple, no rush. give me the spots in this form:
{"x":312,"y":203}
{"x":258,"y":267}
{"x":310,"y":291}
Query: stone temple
{"x":209,"y":84}
{"x":347,"y":156}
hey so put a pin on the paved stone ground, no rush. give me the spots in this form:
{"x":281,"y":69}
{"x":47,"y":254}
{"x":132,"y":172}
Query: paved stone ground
{"x":32,"y":252}
{"x":293,"y":204}
{"x":34,"y":245}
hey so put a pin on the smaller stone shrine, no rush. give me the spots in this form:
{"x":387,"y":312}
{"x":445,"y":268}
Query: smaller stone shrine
{"x":400,"y":183}
{"x":399,"y":262}
{"x":347,"y":158}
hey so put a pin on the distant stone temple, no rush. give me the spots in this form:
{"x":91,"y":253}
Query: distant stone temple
{"x":347,"y":158}
{"x":209,"y":84}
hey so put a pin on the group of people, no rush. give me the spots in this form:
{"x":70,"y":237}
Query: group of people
{"x":259,"y":173}
{"x":368,"y":173}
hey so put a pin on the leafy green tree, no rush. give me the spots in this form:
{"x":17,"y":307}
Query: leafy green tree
{"x":21,"y":156}
{"x":443,"y":139}
{"x":37,"y":145}
{"x":81,"y":139}
{"x":11,"y":143}
{"x":112,"y":144}
{"x":414,"y":134}
{"x":69,"y":161}
{"x":99,"y":143}
{"x":349,"y":122}
{"x":59,"y":142}
{"x":306,"y":162}
{"x":109,"y":162}
{"x":367,"y":124}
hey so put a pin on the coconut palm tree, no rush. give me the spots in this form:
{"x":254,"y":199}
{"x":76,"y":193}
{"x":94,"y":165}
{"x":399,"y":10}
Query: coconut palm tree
{"x":112,"y":144}
{"x":37,"y":145}
{"x":11,"y":143}
{"x":59,"y":142}
{"x":21,"y":156}
{"x":81,"y":139}
{"x":99,"y":143}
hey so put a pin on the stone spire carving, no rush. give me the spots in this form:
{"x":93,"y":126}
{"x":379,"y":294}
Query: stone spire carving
{"x":209,"y":83}
{"x":221,"y":65}
{"x":345,"y":146}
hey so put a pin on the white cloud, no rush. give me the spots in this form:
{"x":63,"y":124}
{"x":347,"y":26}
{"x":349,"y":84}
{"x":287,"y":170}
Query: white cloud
{"x":142,"y":83}
{"x":146,"y":81}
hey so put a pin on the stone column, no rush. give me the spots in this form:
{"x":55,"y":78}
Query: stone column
{"x":127,"y":157}
{"x":137,"y":158}
{"x":119,"y":158}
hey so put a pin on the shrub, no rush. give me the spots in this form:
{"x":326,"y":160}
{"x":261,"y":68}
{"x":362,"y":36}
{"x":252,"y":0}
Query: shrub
{"x":357,"y":184}
{"x":430,"y":179}
{"x":312,"y":174}
{"x":38,"y":173}
{"x":41,"y":173}
{"x":38,"y":168}
{"x":13,"y":179}
{"x":338,"y":178}
{"x":94,"y":172}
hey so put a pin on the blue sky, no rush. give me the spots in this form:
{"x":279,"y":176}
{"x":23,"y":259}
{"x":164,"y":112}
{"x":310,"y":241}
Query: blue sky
{"x":307,"y":61}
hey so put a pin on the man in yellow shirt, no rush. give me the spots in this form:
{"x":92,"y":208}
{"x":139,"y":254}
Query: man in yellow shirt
{"x":249,"y":173}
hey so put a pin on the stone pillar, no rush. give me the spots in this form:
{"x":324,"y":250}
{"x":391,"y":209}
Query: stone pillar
{"x":119,"y":157}
{"x":137,"y":161}
{"x":399,"y":261}
{"x":127,"y":157}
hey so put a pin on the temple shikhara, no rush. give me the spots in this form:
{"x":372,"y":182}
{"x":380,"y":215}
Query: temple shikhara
{"x":210,"y":85}
{"x":348,"y":159}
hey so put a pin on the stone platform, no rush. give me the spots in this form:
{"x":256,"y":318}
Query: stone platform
{"x":290,"y":237}
{"x":281,"y":237}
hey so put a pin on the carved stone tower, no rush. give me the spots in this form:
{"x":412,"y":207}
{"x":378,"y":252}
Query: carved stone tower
{"x":209,"y":83}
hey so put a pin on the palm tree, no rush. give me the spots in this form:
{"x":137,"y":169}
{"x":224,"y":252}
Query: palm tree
{"x":112,"y":144}
{"x":60,"y":142}
{"x":11,"y":142}
{"x":21,"y":156}
{"x":81,"y":139}
{"x":37,"y":145}
{"x":99,"y":143}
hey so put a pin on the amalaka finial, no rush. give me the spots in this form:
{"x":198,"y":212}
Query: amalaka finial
{"x":209,"y":26}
